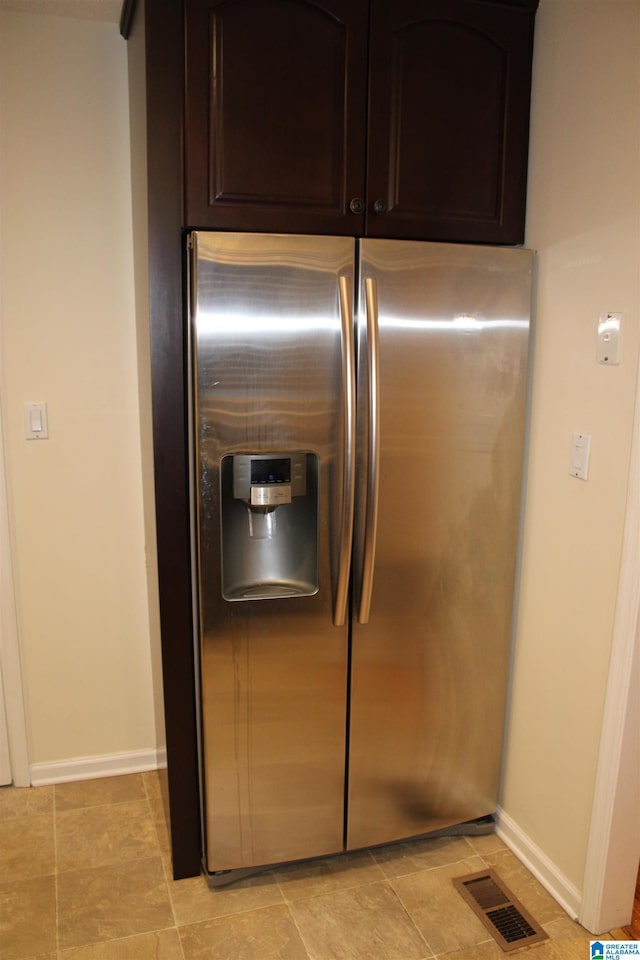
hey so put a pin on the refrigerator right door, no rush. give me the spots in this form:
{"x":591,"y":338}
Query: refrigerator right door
{"x":430,"y":664}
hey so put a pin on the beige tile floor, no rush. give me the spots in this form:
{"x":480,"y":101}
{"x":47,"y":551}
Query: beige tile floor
{"x":85,"y":875}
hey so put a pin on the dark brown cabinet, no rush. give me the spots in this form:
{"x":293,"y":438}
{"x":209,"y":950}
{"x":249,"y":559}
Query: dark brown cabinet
{"x":275,"y":114}
{"x":404,"y":119}
{"x":449,"y":92}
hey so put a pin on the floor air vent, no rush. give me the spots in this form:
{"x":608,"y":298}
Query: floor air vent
{"x":504,"y":917}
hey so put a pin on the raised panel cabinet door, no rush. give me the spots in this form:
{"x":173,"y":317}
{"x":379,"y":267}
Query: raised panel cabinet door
{"x":450,"y":85}
{"x":276,"y":114}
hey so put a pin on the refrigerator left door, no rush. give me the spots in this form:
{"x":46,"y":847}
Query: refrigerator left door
{"x":269,"y":433}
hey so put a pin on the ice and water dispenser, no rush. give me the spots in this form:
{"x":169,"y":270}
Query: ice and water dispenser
{"x":269,"y":525}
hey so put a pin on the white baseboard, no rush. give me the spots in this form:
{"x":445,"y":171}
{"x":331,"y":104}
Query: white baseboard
{"x":539,"y":864}
{"x":90,"y":768}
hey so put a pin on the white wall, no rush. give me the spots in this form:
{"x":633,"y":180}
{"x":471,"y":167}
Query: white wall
{"x":584,"y":219}
{"x":68,"y":337}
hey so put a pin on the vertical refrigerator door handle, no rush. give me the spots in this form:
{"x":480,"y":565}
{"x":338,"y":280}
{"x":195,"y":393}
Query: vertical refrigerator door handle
{"x":348,"y":464}
{"x":373,"y":464}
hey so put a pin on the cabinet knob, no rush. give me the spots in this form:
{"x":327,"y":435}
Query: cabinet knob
{"x":380,"y":206}
{"x":357,"y":205}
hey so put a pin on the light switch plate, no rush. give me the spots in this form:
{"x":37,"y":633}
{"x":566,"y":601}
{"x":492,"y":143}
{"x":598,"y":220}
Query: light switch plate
{"x":36,"y":421}
{"x":609,"y":334}
{"x":580,"y":453}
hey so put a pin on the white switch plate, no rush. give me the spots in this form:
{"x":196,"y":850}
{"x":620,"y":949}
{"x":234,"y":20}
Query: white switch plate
{"x":36,"y":422}
{"x":580,"y":453}
{"x":609,"y":334}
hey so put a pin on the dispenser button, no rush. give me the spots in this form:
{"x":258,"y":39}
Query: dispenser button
{"x":271,"y":495}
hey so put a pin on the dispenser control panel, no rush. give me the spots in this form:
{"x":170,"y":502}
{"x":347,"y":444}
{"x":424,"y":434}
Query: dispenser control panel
{"x":269,"y":479}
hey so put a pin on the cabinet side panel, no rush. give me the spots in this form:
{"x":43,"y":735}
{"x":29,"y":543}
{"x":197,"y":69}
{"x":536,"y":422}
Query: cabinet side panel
{"x":164,"y":70}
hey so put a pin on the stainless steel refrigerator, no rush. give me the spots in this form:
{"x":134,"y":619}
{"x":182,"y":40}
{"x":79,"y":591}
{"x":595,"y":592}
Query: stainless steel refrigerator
{"x":357,"y":421}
